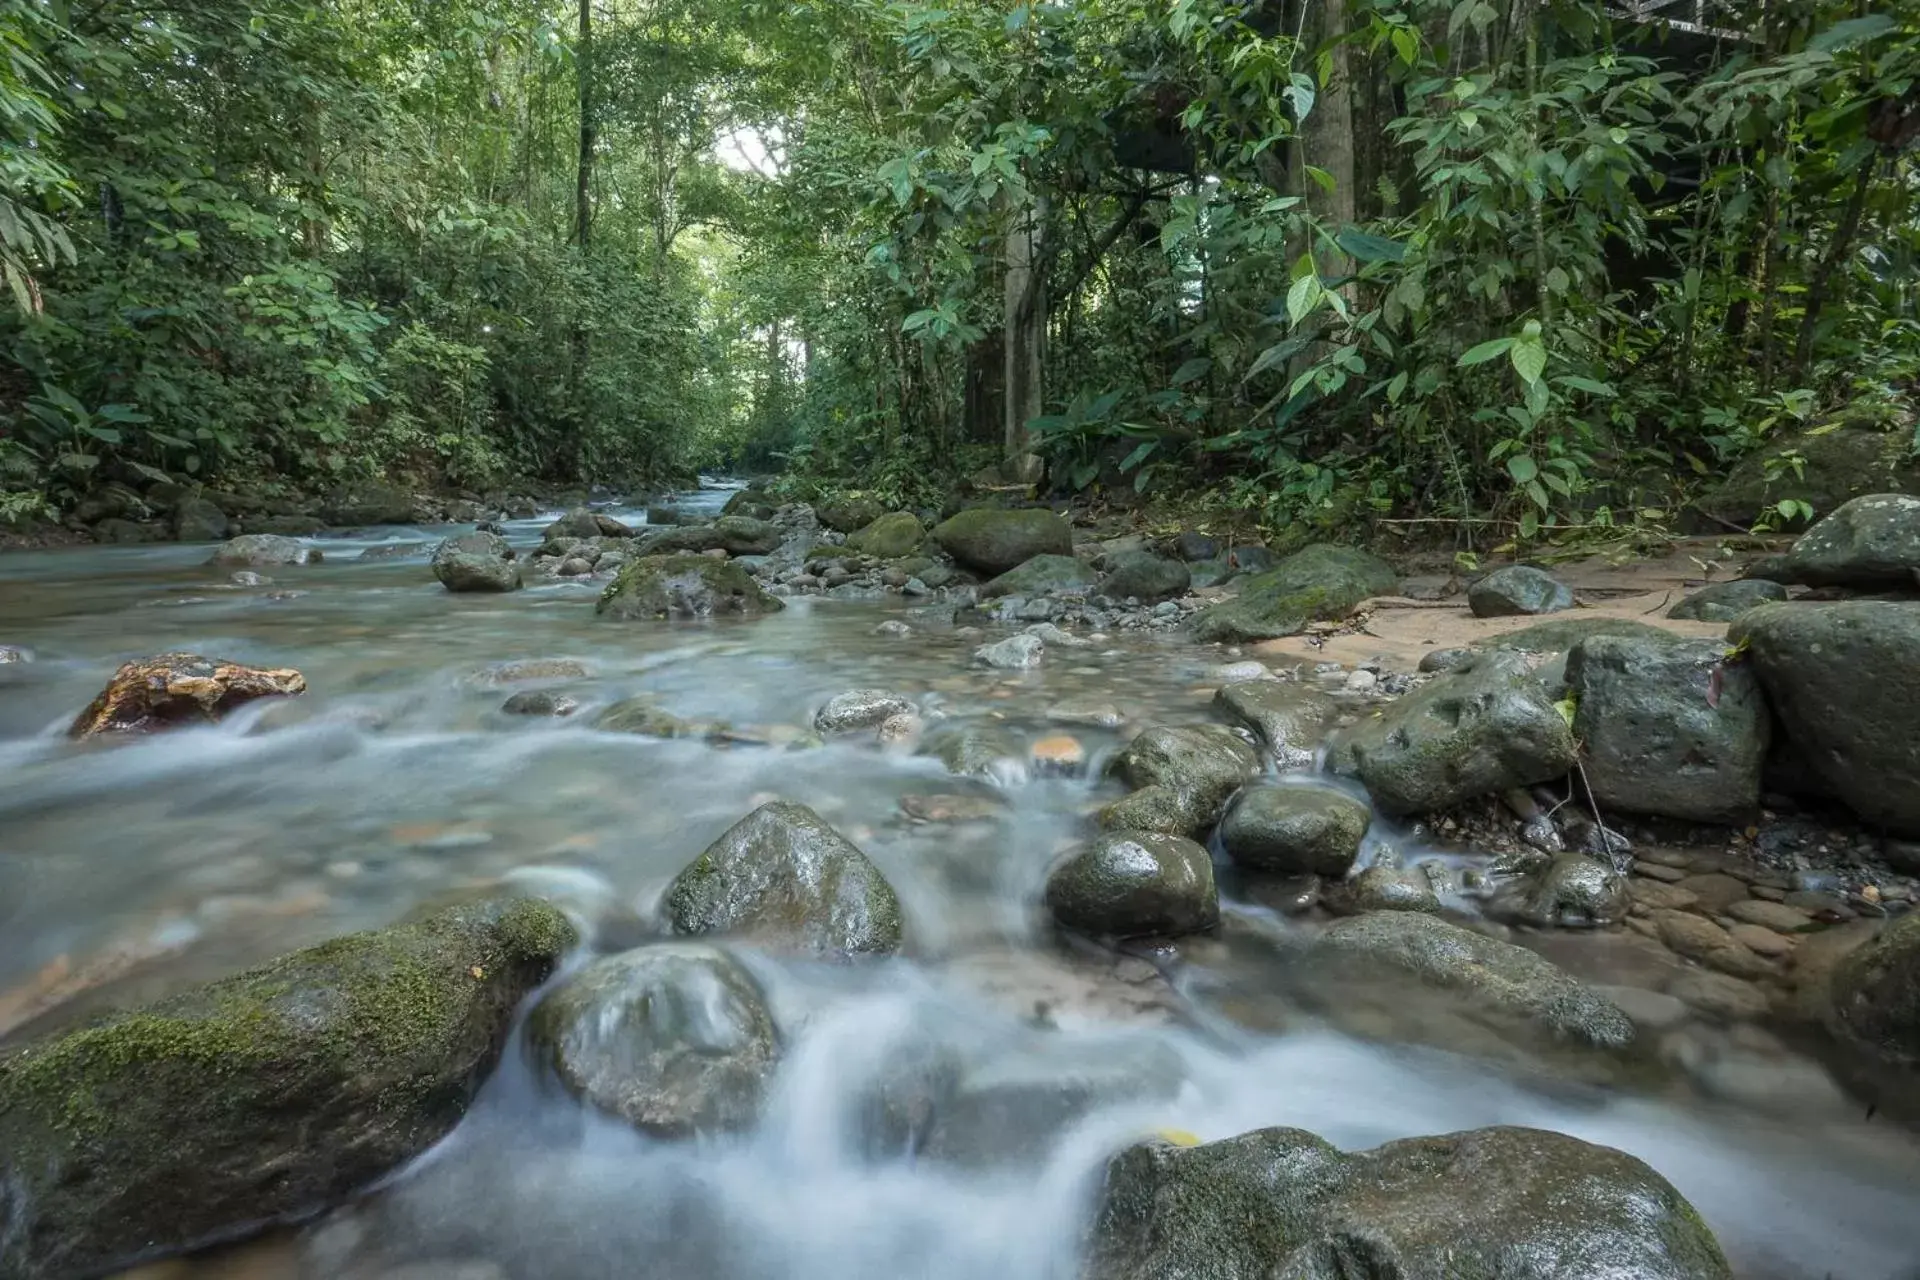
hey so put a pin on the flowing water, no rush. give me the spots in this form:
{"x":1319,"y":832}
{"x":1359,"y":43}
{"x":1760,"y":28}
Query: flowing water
{"x":130,"y":870}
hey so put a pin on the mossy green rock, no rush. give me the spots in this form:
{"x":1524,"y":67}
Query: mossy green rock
{"x":1141,"y":575}
{"x":1289,"y":719}
{"x":661,"y":587}
{"x":992,"y":540}
{"x":1490,"y":1204}
{"x":675,"y":1039}
{"x":782,"y":875}
{"x":1320,"y":583}
{"x":476,"y":562}
{"x":268,"y":1096}
{"x":368,"y":502}
{"x":890,"y":537}
{"x":845,"y":515}
{"x":1295,"y":830}
{"x":1127,"y":884}
{"x":1876,"y":994}
{"x":1043,"y":575}
{"x":1181,"y":777}
{"x":755,"y":503}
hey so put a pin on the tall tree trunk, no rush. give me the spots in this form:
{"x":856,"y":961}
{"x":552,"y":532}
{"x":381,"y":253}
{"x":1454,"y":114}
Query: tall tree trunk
{"x":1327,"y":131}
{"x":578,"y":351}
{"x":1837,"y":250}
{"x":1026,"y":338}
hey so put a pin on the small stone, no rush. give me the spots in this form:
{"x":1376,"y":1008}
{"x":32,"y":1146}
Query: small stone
{"x":1654,"y":871}
{"x":1829,"y":908}
{"x":540,"y":702}
{"x":949,"y":808}
{"x":1719,"y":995}
{"x":1058,"y":753}
{"x":1239,"y":672}
{"x":1015,"y":653}
{"x":901,"y":730}
{"x":1656,"y":895}
{"x":859,"y":709}
{"x":914,"y":586}
{"x":1771,"y":915}
{"x":1362,"y":682}
{"x":1761,"y":941}
{"x":576,"y":567}
{"x":1093,"y":715}
{"x":1649,"y":1010}
{"x":1444,"y":660}
{"x":893,"y":627}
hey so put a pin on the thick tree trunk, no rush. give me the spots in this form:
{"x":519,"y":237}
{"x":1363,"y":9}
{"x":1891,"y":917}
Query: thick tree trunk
{"x":1026,"y":339}
{"x":1328,"y":130}
{"x":583,"y":182}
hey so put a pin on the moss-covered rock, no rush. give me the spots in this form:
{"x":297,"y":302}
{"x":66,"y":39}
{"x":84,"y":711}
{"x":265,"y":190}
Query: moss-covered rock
{"x":1126,"y":884}
{"x":1834,"y":466}
{"x":1491,"y":1204}
{"x":782,"y":875}
{"x":755,"y":503}
{"x":1319,"y":583}
{"x":1872,"y":543}
{"x":1876,"y":994}
{"x":1295,"y":830}
{"x":174,"y":690}
{"x":992,"y":541}
{"x":1143,"y":576}
{"x":1181,"y":777}
{"x":890,"y":536}
{"x":685,"y":586}
{"x":858,"y":709}
{"x":1288,"y":718}
{"x":267,"y":1096}
{"x":368,"y":502}
{"x":845,"y":515}
{"x":476,"y":561}
{"x":675,"y":1039}
{"x":1571,"y":892}
{"x":1044,"y":575}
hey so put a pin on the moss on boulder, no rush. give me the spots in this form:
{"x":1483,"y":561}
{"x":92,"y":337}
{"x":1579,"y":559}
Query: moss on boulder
{"x":684,"y":586}
{"x":1320,"y":583}
{"x":267,"y":1096}
{"x":992,"y":541}
{"x":890,"y":536}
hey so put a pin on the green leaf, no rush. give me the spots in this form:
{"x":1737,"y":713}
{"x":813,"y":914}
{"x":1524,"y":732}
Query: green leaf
{"x":1538,"y":492}
{"x":1406,"y":44}
{"x":1362,"y":247}
{"x":1588,"y":385}
{"x":1522,"y":468}
{"x":1558,"y":280}
{"x":1486,"y":351}
{"x":1568,"y":707}
{"x":1139,"y":455}
{"x":1529,"y":359}
{"x":1397,"y":388}
{"x":1842,"y":35}
{"x":1322,"y":177}
{"x":1300,"y":93}
{"x":1192,"y":369}
{"x":1278,"y":353}
{"x":1303,"y":297}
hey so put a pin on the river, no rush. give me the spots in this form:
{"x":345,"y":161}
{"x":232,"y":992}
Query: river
{"x":130,"y":870}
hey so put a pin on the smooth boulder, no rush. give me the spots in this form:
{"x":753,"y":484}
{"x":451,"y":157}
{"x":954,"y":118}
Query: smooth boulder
{"x":1844,"y":680}
{"x":582,"y":523}
{"x":992,"y":540}
{"x":1669,"y":729}
{"x":783,"y":875}
{"x":1518,"y":590}
{"x":1289,"y":719}
{"x":1043,"y":576}
{"x":1725,"y":601}
{"x":1478,"y":731}
{"x":674,"y":1038}
{"x":1320,"y":583}
{"x":268,"y":1096}
{"x":859,"y":709}
{"x":1015,"y":653}
{"x":1572,"y":892}
{"x":264,"y":550}
{"x":1143,"y":576}
{"x":1295,"y":830}
{"x":1126,"y":884}
{"x":1182,"y":779}
{"x":889,"y":537}
{"x":1490,"y":1204}
{"x":846,"y":515}
{"x":177,"y":690}
{"x":684,"y":586}
{"x":476,"y":562}
{"x":1876,"y":994}
{"x":1871,"y":543}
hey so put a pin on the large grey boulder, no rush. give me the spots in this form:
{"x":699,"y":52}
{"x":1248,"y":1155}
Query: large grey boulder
{"x":1043,"y":575}
{"x":1478,"y":731}
{"x":684,"y":586}
{"x":582,"y":523}
{"x":890,"y":536}
{"x":1872,"y":542}
{"x":1516,"y":591}
{"x":264,"y":550}
{"x":1144,"y":576}
{"x":1318,"y":583}
{"x":1295,"y":830}
{"x":674,"y":1038}
{"x":1725,"y":601}
{"x":1670,"y":729}
{"x":1844,"y":680}
{"x":992,"y":541}
{"x":1490,"y":1204}
{"x":265,"y":1097}
{"x":1182,"y":779}
{"x":476,"y":562}
{"x":1135,"y":883}
{"x":782,"y":875}
{"x":1876,"y":994}
{"x":1822,"y":467}
{"x":858,"y":709}
{"x":1493,"y":979}
{"x":1289,"y":719}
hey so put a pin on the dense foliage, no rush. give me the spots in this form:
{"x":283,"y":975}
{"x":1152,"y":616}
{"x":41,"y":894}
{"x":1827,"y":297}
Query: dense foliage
{"x":1525,"y":268}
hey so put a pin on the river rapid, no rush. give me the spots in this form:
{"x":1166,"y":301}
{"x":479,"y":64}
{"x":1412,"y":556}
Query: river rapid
{"x":131,"y":870}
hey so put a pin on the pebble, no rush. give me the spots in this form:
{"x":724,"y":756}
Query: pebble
{"x":1097,"y":715}
{"x":1239,"y":672}
{"x":1719,"y":995}
{"x":1656,"y":871}
{"x":1828,"y":907}
{"x":1767,"y":893}
{"x":1770,"y":915}
{"x":244,"y":578}
{"x":1759,"y":940}
{"x":1656,"y":895}
{"x":1362,"y":681}
{"x":1649,"y":1010}
{"x":948,"y":808}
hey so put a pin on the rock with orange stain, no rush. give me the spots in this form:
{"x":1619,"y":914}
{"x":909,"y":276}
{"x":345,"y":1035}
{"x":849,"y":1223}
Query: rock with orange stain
{"x":1059,"y":753}
{"x":179,"y":689}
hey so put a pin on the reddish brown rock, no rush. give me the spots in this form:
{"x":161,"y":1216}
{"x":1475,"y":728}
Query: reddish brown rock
{"x":179,"y":689}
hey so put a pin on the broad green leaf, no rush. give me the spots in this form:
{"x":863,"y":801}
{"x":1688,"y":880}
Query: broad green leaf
{"x":1486,"y":351}
{"x":1194,"y":368}
{"x":1397,"y":387}
{"x":1843,"y":35}
{"x":1529,"y":359}
{"x":1522,"y":468}
{"x":1303,"y":298}
{"x":1278,"y":353}
{"x":1321,"y":177}
{"x":1362,"y":247}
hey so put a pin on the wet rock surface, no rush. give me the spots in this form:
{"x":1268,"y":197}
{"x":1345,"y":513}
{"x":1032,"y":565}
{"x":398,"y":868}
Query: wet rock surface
{"x":176,"y":690}
{"x":476,"y":562}
{"x":1135,"y":883}
{"x":1516,"y":591}
{"x":684,"y":587}
{"x":992,"y":541}
{"x":264,"y":550}
{"x":1182,"y":779}
{"x":1320,"y":583}
{"x":1299,"y":830}
{"x":1871,"y":542}
{"x":1725,"y":601}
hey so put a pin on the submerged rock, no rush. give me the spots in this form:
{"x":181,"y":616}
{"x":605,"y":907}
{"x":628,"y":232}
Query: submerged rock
{"x":675,"y":1039}
{"x":1725,"y":601}
{"x":859,"y":709}
{"x":1872,"y":542}
{"x":1182,"y":779}
{"x":175,"y":690}
{"x":1043,"y":575}
{"x":540,"y":702}
{"x":1670,"y":729}
{"x":264,"y":1097}
{"x":264,"y":550}
{"x":1491,"y":1204}
{"x":1479,"y":731}
{"x":992,"y":541}
{"x":1876,"y":994}
{"x":1015,"y":653}
{"x":1320,"y":583}
{"x":476,"y":562}
{"x":1135,"y":883}
{"x":684,"y":586}
{"x":783,"y":875}
{"x":1295,"y":830}
{"x":1844,"y":680}
{"x":1516,"y":591}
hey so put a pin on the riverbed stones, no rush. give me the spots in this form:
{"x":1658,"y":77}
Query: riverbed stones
{"x":1319,"y":583}
{"x":1495,"y":978}
{"x":1144,"y":576}
{"x":267,"y":1096}
{"x":657,"y":588}
{"x":1295,"y":830}
{"x":1182,"y":779}
{"x":264,"y":551}
{"x":1384,"y":887}
{"x":858,"y":709}
{"x":674,"y":1038}
{"x":991,"y":540}
{"x":1289,"y":719}
{"x":1480,"y":731}
{"x":1015,"y":653}
{"x":476,"y":562}
{"x":540,"y":703}
{"x":177,"y":690}
{"x":1518,"y":590}
{"x":1876,"y":994}
{"x":1871,"y":543}
{"x":890,"y":536}
{"x":1135,"y":883}
{"x":782,"y":875}
{"x":1670,"y":729}
{"x":1572,"y":892}
{"x":1490,"y":1204}
{"x":1043,"y":575}
{"x":1844,"y":680}
{"x":1725,"y":601}
{"x":845,"y":515}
